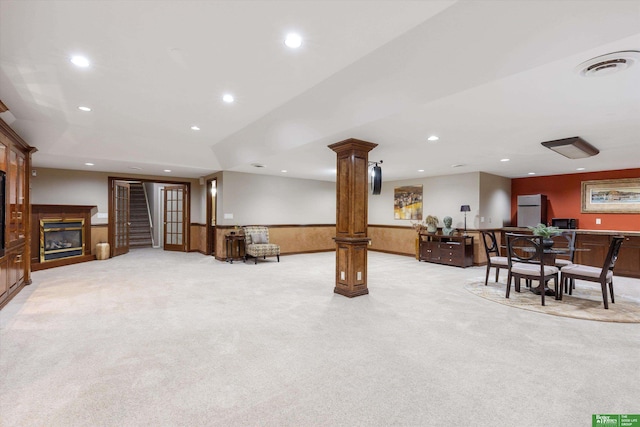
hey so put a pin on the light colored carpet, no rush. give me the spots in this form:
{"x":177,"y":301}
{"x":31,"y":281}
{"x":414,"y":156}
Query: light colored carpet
{"x":584,"y":303}
{"x":155,"y":338}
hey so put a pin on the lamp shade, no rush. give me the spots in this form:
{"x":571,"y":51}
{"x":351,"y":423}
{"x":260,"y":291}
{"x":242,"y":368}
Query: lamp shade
{"x":465,"y":208}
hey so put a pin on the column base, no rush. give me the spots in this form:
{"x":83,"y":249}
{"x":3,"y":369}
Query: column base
{"x":350,"y":294}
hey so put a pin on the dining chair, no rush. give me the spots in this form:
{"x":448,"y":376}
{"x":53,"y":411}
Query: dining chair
{"x":602,"y":275}
{"x":492,"y":250}
{"x":567,"y":239}
{"x":525,"y":255}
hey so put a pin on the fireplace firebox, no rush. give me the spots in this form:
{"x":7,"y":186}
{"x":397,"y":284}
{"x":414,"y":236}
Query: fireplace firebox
{"x":61,"y":238}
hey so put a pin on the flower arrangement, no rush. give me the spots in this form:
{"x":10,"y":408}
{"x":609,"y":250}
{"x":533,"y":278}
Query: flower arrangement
{"x":418,"y":226}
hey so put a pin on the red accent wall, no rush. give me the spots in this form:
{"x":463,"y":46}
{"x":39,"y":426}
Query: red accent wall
{"x":564,"y":199}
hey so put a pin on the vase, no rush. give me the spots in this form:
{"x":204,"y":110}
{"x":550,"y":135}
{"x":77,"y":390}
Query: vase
{"x":547,"y":243}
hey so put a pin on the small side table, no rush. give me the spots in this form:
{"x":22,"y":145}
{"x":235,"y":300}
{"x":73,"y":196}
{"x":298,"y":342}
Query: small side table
{"x":230,"y":241}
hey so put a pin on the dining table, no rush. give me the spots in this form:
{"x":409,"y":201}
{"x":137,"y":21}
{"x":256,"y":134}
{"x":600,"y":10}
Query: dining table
{"x":549,"y":258}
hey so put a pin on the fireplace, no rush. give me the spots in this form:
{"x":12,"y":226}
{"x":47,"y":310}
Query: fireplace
{"x":61,"y":235}
{"x":61,"y":238}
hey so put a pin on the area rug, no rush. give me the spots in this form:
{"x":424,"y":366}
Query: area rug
{"x":585,"y":303}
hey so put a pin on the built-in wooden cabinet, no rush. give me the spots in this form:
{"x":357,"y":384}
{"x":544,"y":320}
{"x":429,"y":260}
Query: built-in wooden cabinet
{"x":450,"y":250}
{"x":15,"y":232}
{"x":592,"y":249}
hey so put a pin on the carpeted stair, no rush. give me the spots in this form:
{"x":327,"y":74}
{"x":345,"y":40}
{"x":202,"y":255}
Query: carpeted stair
{"x":140,"y":229}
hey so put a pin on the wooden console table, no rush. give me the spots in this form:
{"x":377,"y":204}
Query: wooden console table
{"x":449,"y":250}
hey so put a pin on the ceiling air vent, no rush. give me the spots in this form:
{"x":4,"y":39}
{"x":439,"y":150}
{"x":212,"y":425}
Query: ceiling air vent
{"x":608,"y":64}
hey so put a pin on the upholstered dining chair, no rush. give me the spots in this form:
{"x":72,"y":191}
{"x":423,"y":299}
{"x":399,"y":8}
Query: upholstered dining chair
{"x":602,"y":275}
{"x":494,"y":260}
{"x":566,"y":239}
{"x":256,"y":238}
{"x":525,"y":254}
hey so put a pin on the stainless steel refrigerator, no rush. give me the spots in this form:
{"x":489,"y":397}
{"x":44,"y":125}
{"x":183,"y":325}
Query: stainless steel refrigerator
{"x":532,"y":210}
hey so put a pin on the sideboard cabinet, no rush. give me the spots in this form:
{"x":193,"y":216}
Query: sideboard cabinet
{"x":449,"y":250}
{"x":15,"y":231}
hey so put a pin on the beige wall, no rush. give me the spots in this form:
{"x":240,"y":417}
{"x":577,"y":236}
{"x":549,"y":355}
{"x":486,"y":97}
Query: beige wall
{"x":286,"y":203}
{"x":99,"y":234}
{"x":292,"y":239}
{"x":265,"y":199}
{"x":67,"y":187}
{"x":495,"y":202}
{"x":442,"y":196}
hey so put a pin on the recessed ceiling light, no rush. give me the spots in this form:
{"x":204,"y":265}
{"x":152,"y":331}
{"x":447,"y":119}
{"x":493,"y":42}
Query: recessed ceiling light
{"x":228,"y":98}
{"x":531,"y":173}
{"x":457,"y":165}
{"x":580,"y":169}
{"x":258,"y":165}
{"x":504,"y":160}
{"x":195,"y":128}
{"x":433,"y":138}
{"x":420,"y":170}
{"x":80,"y":61}
{"x":89,"y":164}
{"x":167,"y":170}
{"x":135,"y":168}
{"x":293,"y":40}
{"x":283,"y":171}
{"x":83,"y":108}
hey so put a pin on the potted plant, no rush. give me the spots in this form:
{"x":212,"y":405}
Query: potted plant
{"x":546,"y":231}
{"x":432,"y":223}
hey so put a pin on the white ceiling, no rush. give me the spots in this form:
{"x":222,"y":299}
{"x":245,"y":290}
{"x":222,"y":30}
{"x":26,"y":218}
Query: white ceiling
{"x":492,"y":79}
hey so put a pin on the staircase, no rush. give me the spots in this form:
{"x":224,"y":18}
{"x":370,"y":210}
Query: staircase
{"x":140,"y":228}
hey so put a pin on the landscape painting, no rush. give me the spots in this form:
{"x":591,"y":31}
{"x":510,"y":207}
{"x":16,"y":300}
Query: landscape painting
{"x":611,"y":196}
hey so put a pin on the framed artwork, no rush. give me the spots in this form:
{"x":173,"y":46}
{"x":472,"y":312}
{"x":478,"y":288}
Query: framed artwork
{"x":407,"y":202}
{"x":611,"y":196}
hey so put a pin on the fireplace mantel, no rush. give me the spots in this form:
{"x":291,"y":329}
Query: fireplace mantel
{"x":78,"y":217}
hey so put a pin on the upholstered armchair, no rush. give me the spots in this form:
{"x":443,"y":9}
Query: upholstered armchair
{"x":256,"y":238}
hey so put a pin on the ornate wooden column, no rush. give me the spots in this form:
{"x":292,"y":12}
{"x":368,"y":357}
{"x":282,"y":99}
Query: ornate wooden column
{"x":352,"y":216}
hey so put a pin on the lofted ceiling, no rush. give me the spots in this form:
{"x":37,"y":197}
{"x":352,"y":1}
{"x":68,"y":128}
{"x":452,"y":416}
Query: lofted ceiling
{"x":492,"y":79}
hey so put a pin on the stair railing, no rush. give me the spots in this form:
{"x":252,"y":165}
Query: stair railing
{"x":146,"y":202}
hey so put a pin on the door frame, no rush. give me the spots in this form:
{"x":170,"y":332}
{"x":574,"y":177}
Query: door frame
{"x":210,"y":239}
{"x":182,"y":247}
{"x":187,"y":211}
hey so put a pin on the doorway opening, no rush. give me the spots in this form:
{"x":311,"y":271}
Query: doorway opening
{"x":165,"y":207}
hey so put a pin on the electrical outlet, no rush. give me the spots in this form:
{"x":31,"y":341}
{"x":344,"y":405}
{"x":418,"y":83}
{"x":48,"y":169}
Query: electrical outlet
{"x":481,"y":219}
{"x":359,"y":275}
{"x":342,"y":275}
{"x":228,"y":216}
{"x":598,"y":221}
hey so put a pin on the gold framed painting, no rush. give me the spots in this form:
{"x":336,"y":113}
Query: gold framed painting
{"x":611,"y":196}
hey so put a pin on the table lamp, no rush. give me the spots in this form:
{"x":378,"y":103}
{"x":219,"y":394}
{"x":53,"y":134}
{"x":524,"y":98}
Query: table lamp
{"x":465,"y":209}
